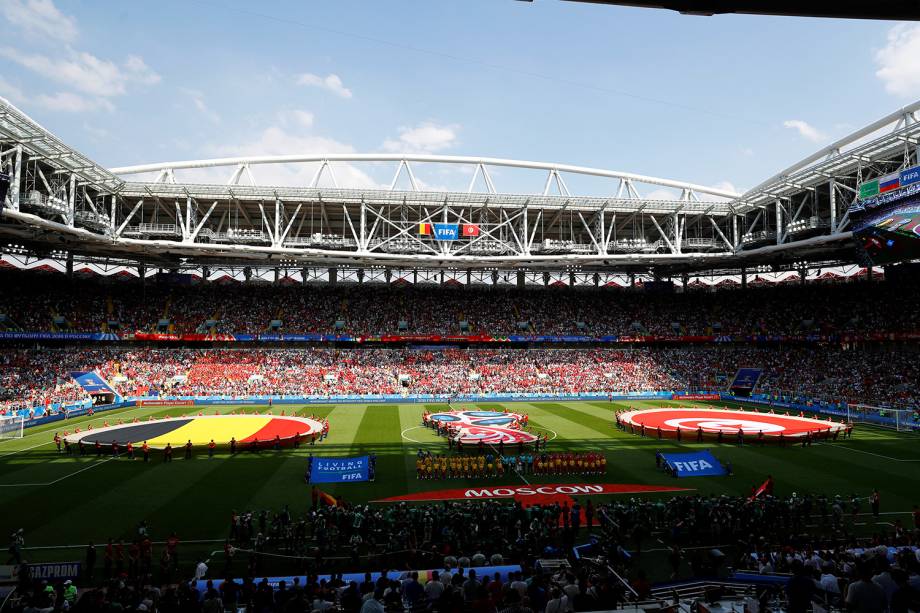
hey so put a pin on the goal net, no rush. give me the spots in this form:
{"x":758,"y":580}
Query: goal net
{"x":902,"y":420}
{"x":11,"y":426}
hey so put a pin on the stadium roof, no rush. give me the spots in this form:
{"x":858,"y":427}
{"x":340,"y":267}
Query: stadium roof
{"x":63,"y":200}
{"x":848,"y":9}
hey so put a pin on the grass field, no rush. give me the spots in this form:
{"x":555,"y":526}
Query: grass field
{"x":64,"y":501}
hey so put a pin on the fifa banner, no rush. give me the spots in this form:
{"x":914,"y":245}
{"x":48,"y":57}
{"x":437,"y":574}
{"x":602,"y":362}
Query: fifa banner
{"x":698,"y":464}
{"x":339,"y":470}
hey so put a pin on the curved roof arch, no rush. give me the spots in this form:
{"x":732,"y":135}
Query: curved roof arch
{"x":403,"y":158}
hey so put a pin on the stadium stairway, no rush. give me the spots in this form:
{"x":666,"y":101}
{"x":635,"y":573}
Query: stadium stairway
{"x":109,"y":313}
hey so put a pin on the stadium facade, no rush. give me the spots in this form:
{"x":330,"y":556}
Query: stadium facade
{"x":65,"y":210}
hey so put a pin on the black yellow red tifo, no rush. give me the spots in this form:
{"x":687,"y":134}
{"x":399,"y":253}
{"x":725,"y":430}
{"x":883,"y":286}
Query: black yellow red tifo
{"x":263,"y":430}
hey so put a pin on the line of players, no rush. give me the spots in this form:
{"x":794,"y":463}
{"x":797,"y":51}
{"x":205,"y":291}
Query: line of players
{"x":435,"y":466}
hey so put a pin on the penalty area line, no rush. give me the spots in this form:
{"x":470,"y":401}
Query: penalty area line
{"x":56,"y":481}
{"x":25,"y":449}
{"x":878,"y":455}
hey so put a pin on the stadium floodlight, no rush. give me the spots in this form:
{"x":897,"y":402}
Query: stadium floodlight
{"x":11,"y":426}
{"x":902,"y":420}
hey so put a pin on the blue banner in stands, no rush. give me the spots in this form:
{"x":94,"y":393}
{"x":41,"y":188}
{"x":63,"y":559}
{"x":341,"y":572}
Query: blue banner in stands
{"x":339,"y":470}
{"x":746,"y":378}
{"x":698,"y":464}
{"x":92,"y":383}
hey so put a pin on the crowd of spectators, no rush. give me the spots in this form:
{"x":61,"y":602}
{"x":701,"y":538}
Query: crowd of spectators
{"x":42,"y":302}
{"x":809,"y":543}
{"x":37,"y":377}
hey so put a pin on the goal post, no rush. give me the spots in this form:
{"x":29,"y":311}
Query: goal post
{"x":902,"y":420}
{"x":11,"y":426}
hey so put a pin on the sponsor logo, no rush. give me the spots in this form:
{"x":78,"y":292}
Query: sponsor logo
{"x":533,"y":494}
{"x":695,"y":397}
{"x":693,"y":466}
{"x":337,"y":470}
{"x":53,"y":571}
{"x":490,"y":427}
{"x":546,"y":490}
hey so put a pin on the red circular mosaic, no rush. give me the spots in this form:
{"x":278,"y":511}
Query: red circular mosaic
{"x":727,"y":421}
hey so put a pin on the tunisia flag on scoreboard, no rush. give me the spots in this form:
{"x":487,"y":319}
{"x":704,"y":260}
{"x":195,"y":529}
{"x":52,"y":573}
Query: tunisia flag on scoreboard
{"x":469,"y":229}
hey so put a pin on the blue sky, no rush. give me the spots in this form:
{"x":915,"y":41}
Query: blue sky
{"x":724,"y":100}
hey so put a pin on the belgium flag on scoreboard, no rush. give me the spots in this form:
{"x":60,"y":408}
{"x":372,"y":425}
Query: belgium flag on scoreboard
{"x":424,"y":228}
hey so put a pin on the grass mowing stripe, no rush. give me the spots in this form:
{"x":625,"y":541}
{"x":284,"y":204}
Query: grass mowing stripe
{"x":199,"y":495}
{"x":378,"y":433}
{"x":282,"y":481}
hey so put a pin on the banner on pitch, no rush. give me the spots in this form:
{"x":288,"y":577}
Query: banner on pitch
{"x":339,"y":470}
{"x":697,"y":464}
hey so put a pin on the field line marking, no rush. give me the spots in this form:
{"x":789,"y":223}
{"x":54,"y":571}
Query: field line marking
{"x":83,"y":546}
{"x":412,"y":440}
{"x":878,"y":455}
{"x":26,"y":449}
{"x":521,"y":475}
{"x":137,"y":411}
{"x":93,"y":465}
{"x":66,"y":421}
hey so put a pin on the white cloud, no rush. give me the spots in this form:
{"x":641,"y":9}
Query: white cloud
{"x":68,"y":102}
{"x":86,"y":72}
{"x":331,"y":82}
{"x":302,"y":118}
{"x":40,"y":18}
{"x":661,"y":193}
{"x":283,"y":140}
{"x":427,"y":137}
{"x":201,"y":106}
{"x":805,"y":130}
{"x":96,"y":133}
{"x":898,"y":67}
{"x":727,"y":186}
{"x":63,"y":101}
{"x":11,"y":91}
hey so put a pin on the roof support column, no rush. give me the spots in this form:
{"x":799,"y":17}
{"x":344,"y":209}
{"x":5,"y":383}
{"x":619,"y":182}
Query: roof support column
{"x":362,"y":228}
{"x":525,"y":243}
{"x":71,"y":200}
{"x":16,"y":179}
{"x":779,"y":221}
{"x":277,"y":221}
{"x":187,"y":230}
{"x":832,"y":185}
{"x":677,"y":233}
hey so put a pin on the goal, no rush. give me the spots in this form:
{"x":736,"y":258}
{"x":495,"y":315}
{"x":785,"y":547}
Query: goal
{"x":902,"y":420}
{"x":11,"y":426}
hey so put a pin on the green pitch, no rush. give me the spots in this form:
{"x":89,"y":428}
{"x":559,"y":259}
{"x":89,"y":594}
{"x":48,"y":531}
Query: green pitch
{"x":62,"y":501}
